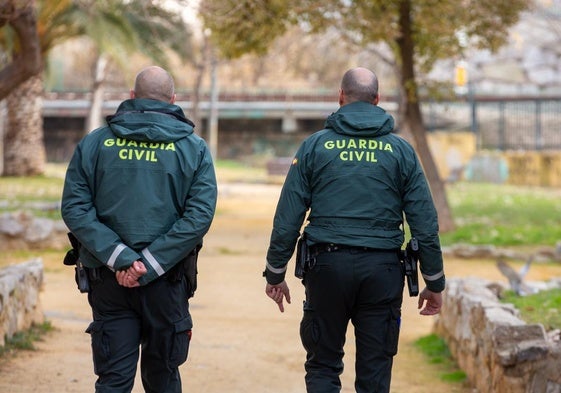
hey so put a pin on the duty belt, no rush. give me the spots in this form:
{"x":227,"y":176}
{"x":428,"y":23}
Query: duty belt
{"x":331,"y":247}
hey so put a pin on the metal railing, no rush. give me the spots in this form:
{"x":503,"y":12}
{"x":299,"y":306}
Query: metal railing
{"x":501,"y":123}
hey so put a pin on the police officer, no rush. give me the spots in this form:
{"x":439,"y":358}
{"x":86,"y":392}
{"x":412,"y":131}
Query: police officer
{"x":356,"y":179}
{"x":139,"y":195}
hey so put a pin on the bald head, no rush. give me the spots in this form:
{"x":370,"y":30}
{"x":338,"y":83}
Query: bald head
{"x":359,"y":84}
{"x":154,"y":83}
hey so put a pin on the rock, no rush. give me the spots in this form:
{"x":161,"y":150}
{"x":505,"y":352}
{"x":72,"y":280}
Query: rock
{"x":23,"y":231}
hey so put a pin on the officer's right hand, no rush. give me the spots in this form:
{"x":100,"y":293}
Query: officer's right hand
{"x":277,"y":293}
{"x":431,"y":300}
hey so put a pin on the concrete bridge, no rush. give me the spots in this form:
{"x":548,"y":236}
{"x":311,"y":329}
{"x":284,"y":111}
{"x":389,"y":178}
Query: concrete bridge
{"x":251,"y":123}
{"x":228,"y":105}
{"x":285,"y":106}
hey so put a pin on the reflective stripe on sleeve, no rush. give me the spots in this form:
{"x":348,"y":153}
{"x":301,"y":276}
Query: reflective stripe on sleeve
{"x":434,"y":277}
{"x":116,"y":252}
{"x":276,"y":270}
{"x":153,"y":262}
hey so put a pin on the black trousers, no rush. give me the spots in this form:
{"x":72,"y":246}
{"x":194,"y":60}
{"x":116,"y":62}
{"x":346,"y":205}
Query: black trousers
{"x":154,"y":317}
{"x":366,"y":288}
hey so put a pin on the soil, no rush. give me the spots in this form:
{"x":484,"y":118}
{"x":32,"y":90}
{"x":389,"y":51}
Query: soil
{"x":241,"y":342}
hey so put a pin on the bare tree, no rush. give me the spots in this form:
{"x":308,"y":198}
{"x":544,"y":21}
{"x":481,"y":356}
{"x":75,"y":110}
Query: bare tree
{"x":418,"y":33}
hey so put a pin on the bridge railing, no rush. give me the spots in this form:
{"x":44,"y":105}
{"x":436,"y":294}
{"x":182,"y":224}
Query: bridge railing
{"x":500,"y":123}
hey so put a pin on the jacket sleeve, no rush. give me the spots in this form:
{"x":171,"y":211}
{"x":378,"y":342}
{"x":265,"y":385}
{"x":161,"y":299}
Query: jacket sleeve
{"x":293,"y":203}
{"x":188,"y":231}
{"x":80,"y":216}
{"x":422,"y":219}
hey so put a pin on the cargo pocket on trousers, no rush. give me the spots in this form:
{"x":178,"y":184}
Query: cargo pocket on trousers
{"x":181,"y":340}
{"x":392,"y":335}
{"x":310,"y":331}
{"x":100,"y":347}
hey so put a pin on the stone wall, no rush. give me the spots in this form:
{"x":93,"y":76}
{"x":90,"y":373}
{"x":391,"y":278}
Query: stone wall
{"x":20,"y":306}
{"x":498,"y":351}
{"x":20,"y":284}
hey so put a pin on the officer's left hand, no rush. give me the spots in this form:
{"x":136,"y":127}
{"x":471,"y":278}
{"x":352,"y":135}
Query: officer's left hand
{"x":129,"y":278}
{"x":277,"y":293}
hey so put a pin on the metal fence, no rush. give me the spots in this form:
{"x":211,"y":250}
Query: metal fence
{"x":521,"y":123}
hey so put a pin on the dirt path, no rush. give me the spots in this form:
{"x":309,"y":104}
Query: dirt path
{"x":241,"y":343}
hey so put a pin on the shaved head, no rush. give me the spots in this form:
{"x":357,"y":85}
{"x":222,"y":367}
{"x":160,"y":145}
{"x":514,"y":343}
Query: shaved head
{"x":359,"y":84}
{"x":154,"y":83}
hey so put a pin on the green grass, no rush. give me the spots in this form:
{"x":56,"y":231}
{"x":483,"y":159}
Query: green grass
{"x":25,"y":340}
{"x":543,"y":307}
{"x":437,"y":353}
{"x":230,"y":164}
{"x":38,"y":194}
{"x":52,"y":258}
{"x":235,"y":171}
{"x":503,"y":215}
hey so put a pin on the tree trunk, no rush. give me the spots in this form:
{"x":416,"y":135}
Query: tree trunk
{"x":200,"y":67}
{"x":213,"y":110}
{"x":94,"y":119}
{"x":195,"y":115}
{"x":24,"y":149}
{"x":27,"y":61}
{"x":413,"y":119}
{"x":3,"y":122}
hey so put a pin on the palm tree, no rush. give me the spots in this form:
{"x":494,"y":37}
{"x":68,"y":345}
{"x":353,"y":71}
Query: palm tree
{"x":25,"y":62}
{"x":116,"y":28}
{"x":24,"y":151}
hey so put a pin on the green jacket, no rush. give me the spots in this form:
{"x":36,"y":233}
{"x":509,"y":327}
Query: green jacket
{"x":141,"y":188}
{"x":357,"y":179}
